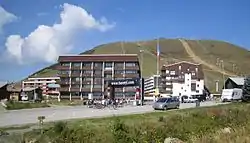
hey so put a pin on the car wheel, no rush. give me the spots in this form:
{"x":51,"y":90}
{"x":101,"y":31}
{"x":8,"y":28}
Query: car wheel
{"x":165,"y":108}
{"x":178,"y":106}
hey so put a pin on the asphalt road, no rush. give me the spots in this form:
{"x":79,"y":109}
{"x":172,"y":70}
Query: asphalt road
{"x":27,"y":116}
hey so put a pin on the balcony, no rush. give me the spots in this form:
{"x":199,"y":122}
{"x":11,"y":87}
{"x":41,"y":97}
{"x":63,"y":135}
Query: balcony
{"x":59,"y":67}
{"x":75,"y":89}
{"x":85,"y":89}
{"x":97,"y":67}
{"x":97,"y":89}
{"x":87,"y":68}
{"x":75,"y":67}
{"x":119,"y":68}
{"x":64,"y":89}
{"x":132,"y":68}
{"x":132,"y":75}
{"x":63,"y":82}
{"x":119,"y":75}
{"x":75,"y":82}
{"x":86,"y":74}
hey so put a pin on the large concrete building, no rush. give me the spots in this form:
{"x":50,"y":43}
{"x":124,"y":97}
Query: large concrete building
{"x":81,"y":75}
{"x":150,"y":85}
{"x":182,"y":78}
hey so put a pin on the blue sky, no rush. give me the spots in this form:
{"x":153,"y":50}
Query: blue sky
{"x":227,"y":20}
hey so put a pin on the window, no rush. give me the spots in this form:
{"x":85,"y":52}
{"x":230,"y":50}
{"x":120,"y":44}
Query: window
{"x":198,"y":85}
{"x":119,"y":78}
{"x":75,"y":93}
{"x":98,"y":64}
{"x":86,"y":86}
{"x":97,"y":86}
{"x":97,"y":80}
{"x":193,"y":73}
{"x":97,"y":72}
{"x":76,"y":64}
{"x":167,"y":71}
{"x":76,"y":79}
{"x":172,"y":72}
{"x":87,"y":64}
{"x":108,"y":64}
{"x":193,"y":86}
{"x":76,"y":72}
{"x":65,"y":64}
{"x":65,"y":72}
{"x":86,"y":79}
{"x":108,"y":75}
{"x":119,"y":64}
{"x":75,"y":86}
{"x":97,"y":94}
{"x":118,"y":94}
{"x":87,"y":71}
{"x":119,"y":71}
{"x":64,"y":79}
{"x":129,"y":64}
{"x":131,"y":71}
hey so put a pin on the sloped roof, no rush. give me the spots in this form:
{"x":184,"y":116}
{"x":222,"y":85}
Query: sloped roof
{"x":3,"y":83}
{"x":238,"y":80}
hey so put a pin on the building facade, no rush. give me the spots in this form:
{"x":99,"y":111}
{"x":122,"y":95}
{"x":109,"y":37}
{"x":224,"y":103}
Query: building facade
{"x":81,"y":75}
{"x":41,"y":82}
{"x":182,"y":78}
{"x":150,"y":85}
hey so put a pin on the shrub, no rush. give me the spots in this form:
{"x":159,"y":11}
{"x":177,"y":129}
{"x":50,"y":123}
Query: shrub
{"x":21,"y":105}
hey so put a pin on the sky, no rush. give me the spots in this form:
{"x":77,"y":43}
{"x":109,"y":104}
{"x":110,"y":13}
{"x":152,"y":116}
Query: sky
{"x":33,"y":33}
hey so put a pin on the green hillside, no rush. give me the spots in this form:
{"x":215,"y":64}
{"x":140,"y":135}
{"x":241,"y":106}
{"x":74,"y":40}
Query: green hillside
{"x":172,"y":50}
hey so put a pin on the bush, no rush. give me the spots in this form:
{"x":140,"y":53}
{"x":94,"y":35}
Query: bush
{"x":154,"y":127}
{"x":21,"y":105}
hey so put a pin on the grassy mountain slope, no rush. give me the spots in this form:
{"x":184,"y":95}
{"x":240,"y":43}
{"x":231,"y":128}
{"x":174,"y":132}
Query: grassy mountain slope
{"x":172,"y":50}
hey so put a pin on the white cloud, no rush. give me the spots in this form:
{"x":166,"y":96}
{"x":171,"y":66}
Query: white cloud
{"x":5,"y":17}
{"x":46,"y":43}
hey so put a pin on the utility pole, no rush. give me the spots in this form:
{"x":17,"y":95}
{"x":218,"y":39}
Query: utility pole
{"x":234,"y":66}
{"x":141,"y":56}
{"x":223,"y":69}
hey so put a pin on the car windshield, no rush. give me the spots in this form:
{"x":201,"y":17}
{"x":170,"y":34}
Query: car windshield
{"x":162,"y":100}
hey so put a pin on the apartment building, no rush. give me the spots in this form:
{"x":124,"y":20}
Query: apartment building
{"x":41,"y":82}
{"x":150,"y":84}
{"x":81,"y":75}
{"x":182,"y":78}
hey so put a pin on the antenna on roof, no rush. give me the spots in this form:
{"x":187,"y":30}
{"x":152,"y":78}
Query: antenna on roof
{"x":122,"y":46}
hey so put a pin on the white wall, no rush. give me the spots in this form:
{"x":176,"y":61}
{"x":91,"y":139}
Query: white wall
{"x":180,"y":89}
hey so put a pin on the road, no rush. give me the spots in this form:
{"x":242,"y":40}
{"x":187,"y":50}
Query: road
{"x":27,"y":116}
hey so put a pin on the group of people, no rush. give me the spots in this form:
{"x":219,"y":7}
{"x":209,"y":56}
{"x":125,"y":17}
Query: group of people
{"x":106,"y":102}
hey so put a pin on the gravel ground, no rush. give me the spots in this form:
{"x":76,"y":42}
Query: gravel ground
{"x":27,"y":116}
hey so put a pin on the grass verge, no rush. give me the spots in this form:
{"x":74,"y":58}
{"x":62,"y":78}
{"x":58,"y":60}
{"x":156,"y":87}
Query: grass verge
{"x":189,"y":125}
{"x":22,"y":105}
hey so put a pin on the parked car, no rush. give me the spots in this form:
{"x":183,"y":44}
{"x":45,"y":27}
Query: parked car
{"x":165,"y":103}
{"x":189,"y":99}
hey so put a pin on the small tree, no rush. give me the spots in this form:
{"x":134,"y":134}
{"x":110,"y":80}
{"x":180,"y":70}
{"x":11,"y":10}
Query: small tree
{"x":246,"y":89}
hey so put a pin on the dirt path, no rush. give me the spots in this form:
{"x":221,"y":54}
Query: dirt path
{"x":199,"y":60}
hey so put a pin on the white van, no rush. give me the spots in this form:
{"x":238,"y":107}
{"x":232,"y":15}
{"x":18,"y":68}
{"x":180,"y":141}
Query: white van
{"x":231,"y":94}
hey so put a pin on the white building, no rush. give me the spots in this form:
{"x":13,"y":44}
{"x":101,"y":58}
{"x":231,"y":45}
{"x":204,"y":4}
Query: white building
{"x":183,"y":78}
{"x":150,"y":86}
{"x":41,"y":82}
